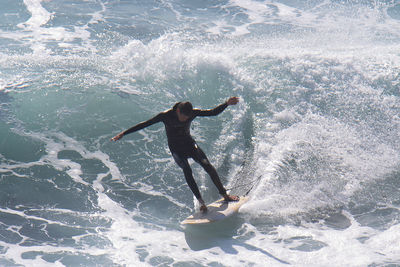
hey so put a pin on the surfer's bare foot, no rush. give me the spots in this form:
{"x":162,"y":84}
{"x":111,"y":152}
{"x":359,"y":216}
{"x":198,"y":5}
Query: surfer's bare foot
{"x":203,"y":208}
{"x":230,"y":198}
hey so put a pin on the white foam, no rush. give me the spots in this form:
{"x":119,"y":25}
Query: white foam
{"x":256,"y":12}
{"x":170,"y":56}
{"x":334,"y":247}
{"x":16,"y":251}
{"x":34,"y":33}
{"x":323,"y":139}
{"x":387,"y":243}
{"x":40,"y":16}
{"x":327,"y":17}
{"x":98,"y":15}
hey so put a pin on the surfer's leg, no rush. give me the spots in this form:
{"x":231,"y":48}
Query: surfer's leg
{"x":184,"y":164}
{"x":201,"y":158}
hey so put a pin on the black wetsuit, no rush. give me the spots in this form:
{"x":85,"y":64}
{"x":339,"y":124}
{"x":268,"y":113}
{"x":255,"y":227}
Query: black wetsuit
{"x":183,"y":146}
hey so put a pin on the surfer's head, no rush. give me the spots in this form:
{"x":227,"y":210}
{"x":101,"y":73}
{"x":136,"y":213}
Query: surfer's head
{"x":184,"y":110}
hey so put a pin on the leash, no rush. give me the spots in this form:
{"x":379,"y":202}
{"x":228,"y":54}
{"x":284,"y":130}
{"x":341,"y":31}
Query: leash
{"x":252,"y":183}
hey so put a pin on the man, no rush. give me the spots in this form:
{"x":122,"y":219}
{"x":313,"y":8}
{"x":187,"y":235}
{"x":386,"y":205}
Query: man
{"x":182,"y":145}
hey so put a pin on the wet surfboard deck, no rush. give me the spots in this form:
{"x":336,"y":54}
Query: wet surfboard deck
{"x":217,"y":211}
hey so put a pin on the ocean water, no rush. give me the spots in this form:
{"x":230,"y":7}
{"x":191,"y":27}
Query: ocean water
{"x":315,"y":138}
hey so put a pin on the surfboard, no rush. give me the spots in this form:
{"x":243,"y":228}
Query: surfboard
{"x":217,"y":211}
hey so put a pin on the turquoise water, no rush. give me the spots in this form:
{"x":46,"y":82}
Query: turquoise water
{"x":315,"y":135}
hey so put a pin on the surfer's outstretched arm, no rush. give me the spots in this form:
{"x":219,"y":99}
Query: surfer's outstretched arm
{"x":139,"y":126}
{"x":217,"y":110}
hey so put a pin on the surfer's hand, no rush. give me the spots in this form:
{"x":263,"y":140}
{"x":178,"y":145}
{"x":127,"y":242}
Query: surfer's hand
{"x":117,"y":137}
{"x":232,"y":101}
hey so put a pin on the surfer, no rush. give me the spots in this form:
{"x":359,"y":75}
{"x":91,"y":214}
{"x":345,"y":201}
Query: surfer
{"x":182,"y":145}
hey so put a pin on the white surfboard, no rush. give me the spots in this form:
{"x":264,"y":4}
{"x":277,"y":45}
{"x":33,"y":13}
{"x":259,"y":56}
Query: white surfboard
{"x":217,"y":211}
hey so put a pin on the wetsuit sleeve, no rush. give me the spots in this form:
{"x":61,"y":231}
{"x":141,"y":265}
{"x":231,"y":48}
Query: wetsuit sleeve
{"x":210,"y":112}
{"x":145,"y":124}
